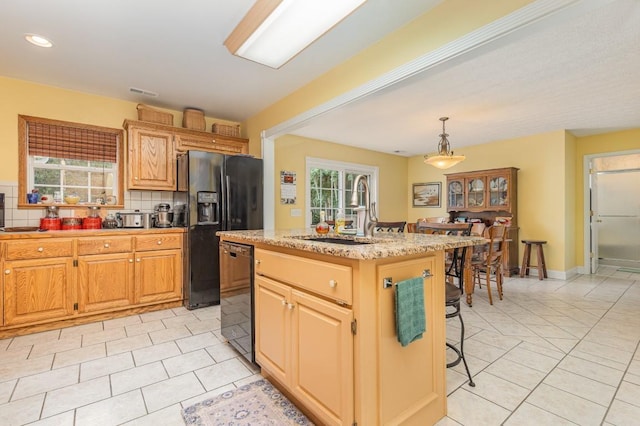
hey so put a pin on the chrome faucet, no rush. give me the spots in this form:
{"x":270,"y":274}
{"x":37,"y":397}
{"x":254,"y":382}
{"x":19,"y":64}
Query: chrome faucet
{"x":370,"y":219}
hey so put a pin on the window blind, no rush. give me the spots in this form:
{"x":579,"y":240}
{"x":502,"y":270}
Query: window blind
{"x":78,"y":143}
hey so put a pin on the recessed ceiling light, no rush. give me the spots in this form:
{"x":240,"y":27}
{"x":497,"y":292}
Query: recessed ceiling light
{"x":38,"y":40}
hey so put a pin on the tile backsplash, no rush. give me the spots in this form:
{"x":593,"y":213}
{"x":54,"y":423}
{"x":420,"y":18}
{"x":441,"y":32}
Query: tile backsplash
{"x":133,"y":200}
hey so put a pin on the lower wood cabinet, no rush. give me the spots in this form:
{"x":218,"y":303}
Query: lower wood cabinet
{"x":158,"y":276}
{"x":38,"y":290}
{"x":53,"y":279}
{"x":306,"y":343}
{"x":105,"y":281}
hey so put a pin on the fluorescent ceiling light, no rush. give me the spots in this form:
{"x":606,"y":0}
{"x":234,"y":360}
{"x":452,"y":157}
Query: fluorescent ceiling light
{"x":38,"y":40}
{"x":274,"y":31}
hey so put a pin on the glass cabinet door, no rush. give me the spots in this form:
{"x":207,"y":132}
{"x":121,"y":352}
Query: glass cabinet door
{"x":475,"y":192}
{"x":456,"y":194}
{"x":498,"y":191}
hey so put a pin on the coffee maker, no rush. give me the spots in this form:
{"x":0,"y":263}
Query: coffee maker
{"x":207,"y":206}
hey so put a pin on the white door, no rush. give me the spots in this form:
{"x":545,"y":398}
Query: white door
{"x":618,"y":218}
{"x":594,"y":221}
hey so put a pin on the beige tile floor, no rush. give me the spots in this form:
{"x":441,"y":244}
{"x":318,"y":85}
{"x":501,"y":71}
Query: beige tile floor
{"x":553,"y":352}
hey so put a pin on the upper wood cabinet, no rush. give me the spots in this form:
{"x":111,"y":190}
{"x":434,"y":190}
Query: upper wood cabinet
{"x":483,"y":190}
{"x":151,"y":161}
{"x":211,"y":142}
{"x":152,"y":150}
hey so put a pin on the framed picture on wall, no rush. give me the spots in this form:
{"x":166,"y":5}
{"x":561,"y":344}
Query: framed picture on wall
{"x":426,"y":194}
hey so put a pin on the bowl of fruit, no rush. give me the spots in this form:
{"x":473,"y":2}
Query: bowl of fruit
{"x":72,"y":199}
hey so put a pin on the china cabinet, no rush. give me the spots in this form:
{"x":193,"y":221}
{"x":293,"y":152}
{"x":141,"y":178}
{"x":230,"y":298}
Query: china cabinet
{"x":490,"y":196}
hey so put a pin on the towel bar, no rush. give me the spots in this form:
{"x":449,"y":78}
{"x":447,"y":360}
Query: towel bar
{"x":387,"y":282}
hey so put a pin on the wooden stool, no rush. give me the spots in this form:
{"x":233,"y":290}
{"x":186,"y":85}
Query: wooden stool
{"x":526,"y":259}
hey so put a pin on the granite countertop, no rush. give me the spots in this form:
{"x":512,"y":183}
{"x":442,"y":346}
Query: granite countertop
{"x":381,"y":244}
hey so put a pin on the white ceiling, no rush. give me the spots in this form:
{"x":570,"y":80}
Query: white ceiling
{"x":577,"y":71}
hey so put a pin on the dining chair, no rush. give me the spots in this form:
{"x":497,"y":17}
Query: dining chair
{"x":489,"y":265}
{"x":390,"y":226}
{"x":454,"y":262}
{"x":433,"y":219}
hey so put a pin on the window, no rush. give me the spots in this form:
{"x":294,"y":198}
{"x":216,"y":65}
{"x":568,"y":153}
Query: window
{"x":62,"y":158}
{"x":330,"y":185}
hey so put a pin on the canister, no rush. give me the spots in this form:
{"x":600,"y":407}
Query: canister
{"x":71,"y":223}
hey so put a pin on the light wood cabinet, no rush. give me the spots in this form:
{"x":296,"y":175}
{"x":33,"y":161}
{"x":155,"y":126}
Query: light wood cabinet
{"x":158,"y":276}
{"x":152,"y":150}
{"x":38,"y":290}
{"x":52,"y":279}
{"x":158,"y":269}
{"x":210,"y":142}
{"x":105,"y":273}
{"x":325,"y":331}
{"x":487,"y":195}
{"x":38,"y":281}
{"x":303,"y":340}
{"x":151,"y":159}
{"x":411,"y":376}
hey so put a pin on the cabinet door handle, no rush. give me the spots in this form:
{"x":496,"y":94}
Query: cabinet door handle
{"x":257,"y":262}
{"x":291,"y":306}
{"x":106,"y":245}
{"x":130,"y":260}
{"x":7,"y":271}
{"x":138,"y":259}
{"x":159,"y":242}
{"x":284,"y":302}
{"x":333,"y":283}
{"x":40,"y":249}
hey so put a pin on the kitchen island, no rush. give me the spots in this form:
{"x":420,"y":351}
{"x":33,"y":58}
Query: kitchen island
{"x":325,"y":323}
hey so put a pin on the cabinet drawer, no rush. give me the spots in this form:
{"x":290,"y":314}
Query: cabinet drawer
{"x":104,"y":245}
{"x":40,"y":249}
{"x":324,"y":278}
{"x":158,"y":242}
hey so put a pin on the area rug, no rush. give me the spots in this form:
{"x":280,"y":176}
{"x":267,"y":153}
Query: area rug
{"x":255,"y":404}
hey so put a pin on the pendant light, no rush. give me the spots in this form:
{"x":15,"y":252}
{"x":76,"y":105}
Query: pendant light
{"x":445,"y":158}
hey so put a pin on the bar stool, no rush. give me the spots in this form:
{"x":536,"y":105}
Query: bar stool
{"x":526,"y":259}
{"x":452,"y":299}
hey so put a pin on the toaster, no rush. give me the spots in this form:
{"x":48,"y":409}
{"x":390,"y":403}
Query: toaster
{"x":130,"y":219}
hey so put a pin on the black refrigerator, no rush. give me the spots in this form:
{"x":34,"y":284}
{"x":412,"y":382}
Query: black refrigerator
{"x":219,"y":192}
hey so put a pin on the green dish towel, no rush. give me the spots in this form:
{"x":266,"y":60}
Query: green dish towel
{"x":410,"y":317}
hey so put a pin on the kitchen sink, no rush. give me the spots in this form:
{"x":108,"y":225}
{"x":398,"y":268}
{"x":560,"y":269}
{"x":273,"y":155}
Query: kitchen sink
{"x":338,"y":241}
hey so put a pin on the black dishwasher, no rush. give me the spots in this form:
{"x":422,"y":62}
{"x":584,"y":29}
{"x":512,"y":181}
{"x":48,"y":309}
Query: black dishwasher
{"x":236,"y":297}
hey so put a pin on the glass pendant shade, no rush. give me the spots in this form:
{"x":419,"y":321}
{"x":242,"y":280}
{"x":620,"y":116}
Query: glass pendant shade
{"x":445,"y":158}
